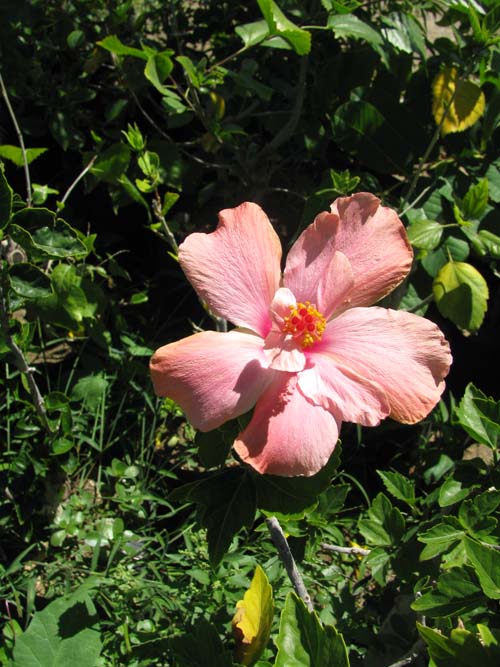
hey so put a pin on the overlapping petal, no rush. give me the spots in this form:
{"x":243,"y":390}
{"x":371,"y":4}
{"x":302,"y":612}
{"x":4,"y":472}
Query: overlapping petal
{"x":374,"y":240}
{"x":236,"y":268}
{"x":287,"y":434}
{"x":338,"y":388}
{"x":213,"y":376}
{"x":406,"y":355}
{"x":315,"y":271}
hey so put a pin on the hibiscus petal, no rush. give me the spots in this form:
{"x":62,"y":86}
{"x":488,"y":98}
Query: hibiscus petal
{"x":341,"y":390}
{"x":374,"y":240}
{"x":314,"y":271}
{"x":287,"y":434}
{"x":406,"y":355}
{"x":236,"y":268}
{"x":213,"y":376}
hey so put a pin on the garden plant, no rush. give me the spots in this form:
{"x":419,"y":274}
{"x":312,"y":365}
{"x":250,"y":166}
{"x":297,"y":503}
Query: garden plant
{"x":249,"y":333}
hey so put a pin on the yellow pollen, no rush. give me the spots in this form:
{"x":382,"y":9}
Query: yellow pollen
{"x":305,"y":323}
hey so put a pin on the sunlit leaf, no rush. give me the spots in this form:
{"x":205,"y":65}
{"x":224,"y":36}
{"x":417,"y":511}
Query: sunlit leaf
{"x":479,"y":415}
{"x":253,"y":619}
{"x":280,"y":25}
{"x":461,"y":294}
{"x":303,"y":642}
{"x":486,"y":562}
{"x":64,"y":633}
{"x":425,"y":234}
{"x":114,"y":45}
{"x":15,"y":154}
{"x":157,"y":69}
{"x":456,"y":103}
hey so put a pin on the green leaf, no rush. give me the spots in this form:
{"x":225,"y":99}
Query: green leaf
{"x":158,"y":68}
{"x":385,"y":524}
{"x":451,"y":492}
{"x":64,"y":633}
{"x":303,"y":642}
{"x":457,"y":592}
{"x":15,"y":154}
{"x":5,"y":200}
{"x":350,"y":26}
{"x":377,"y":562}
{"x":457,"y":249}
{"x":28,"y":282}
{"x":38,"y":232}
{"x":479,"y":415}
{"x":189,"y":70}
{"x":112,"y":163}
{"x":201,"y":647}
{"x":213,"y":448}
{"x":475,"y":201}
{"x":439,"y":539}
{"x":252,"y":33}
{"x":461,"y":294}
{"x":486,"y":562}
{"x":226,"y":501}
{"x":114,"y":45}
{"x":399,"y":486}
{"x":425,"y":234}
{"x":474,"y":519}
{"x":253,"y":619}
{"x":289,"y":495}
{"x":279,"y":24}
{"x":90,"y":389}
{"x":462,"y":648}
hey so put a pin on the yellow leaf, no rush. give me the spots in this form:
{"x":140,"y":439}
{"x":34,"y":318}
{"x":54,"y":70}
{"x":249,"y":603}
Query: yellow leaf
{"x":456,"y":102}
{"x":461,"y":294}
{"x":253,"y":619}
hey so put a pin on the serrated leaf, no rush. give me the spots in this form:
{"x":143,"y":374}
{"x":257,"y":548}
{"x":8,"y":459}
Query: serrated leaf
{"x":399,"y":486}
{"x":479,"y":415}
{"x":253,"y":619}
{"x":5,"y":200}
{"x":425,"y":234}
{"x":457,"y":592}
{"x":486,"y":562}
{"x":439,"y":538}
{"x":385,"y":524}
{"x":15,"y":154}
{"x":456,"y":103}
{"x":280,"y":25}
{"x":461,"y":294}
{"x":461,"y":649}
{"x":64,"y":633}
{"x":303,"y":642}
{"x":348,"y":25}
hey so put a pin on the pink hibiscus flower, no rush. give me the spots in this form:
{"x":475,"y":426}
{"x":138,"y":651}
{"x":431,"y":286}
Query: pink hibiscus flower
{"x":306,"y":351}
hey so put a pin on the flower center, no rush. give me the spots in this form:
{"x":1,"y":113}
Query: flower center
{"x":305,"y":323}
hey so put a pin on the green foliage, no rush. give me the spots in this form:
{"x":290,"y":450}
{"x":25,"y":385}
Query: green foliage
{"x":157,"y":115}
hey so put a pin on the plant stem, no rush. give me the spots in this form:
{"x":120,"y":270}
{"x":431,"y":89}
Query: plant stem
{"x":279,"y":541}
{"x":161,"y":219}
{"x":21,"y":142}
{"x":22,"y":364}
{"x":357,"y":551}
{"x":60,"y":205}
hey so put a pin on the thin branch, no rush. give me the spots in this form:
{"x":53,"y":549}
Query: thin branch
{"x":21,"y":142}
{"x":412,"y":654}
{"x":22,"y":364}
{"x":279,"y":541}
{"x":356,"y":551}
{"x":60,"y":205}
{"x":162,"y":220}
